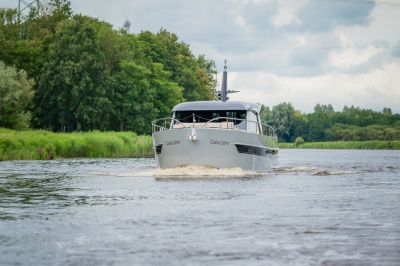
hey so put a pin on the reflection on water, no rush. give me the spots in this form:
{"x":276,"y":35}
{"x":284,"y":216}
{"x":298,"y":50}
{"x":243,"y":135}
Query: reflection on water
{"x":317,"y":207}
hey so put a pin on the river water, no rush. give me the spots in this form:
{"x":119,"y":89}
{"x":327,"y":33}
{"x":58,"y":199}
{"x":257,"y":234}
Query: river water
{"x":317,"y":207}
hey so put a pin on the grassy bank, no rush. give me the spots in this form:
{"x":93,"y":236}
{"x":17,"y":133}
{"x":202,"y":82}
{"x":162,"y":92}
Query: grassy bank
{"x":41,"y":144}
{"x":44,"y":145}
{"x":367,"y":145}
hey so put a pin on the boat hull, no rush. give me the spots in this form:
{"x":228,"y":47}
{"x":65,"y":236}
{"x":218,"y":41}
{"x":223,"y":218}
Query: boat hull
{"x":213,"y":148}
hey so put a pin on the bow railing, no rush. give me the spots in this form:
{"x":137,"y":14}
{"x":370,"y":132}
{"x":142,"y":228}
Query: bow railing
{"x":223,"y":123}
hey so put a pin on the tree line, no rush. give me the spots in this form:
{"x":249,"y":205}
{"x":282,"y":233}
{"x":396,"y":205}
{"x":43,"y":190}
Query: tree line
{"x":326,"y":124}
{"x":65,"y":72}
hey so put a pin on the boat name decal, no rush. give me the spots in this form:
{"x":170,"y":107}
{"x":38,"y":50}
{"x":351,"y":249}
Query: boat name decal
{"x":174,"y":142}
{"x":219,"y":142}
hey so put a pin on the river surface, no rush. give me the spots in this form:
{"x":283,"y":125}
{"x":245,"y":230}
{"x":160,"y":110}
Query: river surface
{"x":317,"y":207}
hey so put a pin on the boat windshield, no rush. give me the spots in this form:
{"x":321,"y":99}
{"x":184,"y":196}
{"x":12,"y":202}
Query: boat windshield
{"x":206,"y":115}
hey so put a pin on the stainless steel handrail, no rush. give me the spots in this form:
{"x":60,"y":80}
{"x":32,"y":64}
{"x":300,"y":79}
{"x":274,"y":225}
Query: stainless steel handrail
{"x":271,"y":129}
{"x":167,"y":125}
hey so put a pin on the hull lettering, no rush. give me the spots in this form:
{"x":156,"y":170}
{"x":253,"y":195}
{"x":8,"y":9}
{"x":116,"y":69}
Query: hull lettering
{"x":173,"y":142}
{"x":219,"y":142}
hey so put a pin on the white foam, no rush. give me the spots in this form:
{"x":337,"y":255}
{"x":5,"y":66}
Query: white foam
{"x":204,"y":171}
{"x":305,"y":170}
{"x":199,"y":171}
{"x":188,"y":171}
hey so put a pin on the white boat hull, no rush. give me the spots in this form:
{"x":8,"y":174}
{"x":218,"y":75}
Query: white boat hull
{"x":213,"y":148}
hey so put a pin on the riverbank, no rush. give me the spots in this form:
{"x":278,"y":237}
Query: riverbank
{"x":45,"y":145}
{"x":366,"y":145}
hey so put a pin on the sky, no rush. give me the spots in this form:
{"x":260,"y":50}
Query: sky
{"x":304,"y":52}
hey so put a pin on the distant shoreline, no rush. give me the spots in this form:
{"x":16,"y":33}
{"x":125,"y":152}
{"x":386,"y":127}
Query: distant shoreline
{"x":359,"y":145}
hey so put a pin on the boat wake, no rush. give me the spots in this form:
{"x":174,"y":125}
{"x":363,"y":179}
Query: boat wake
{"x":303,"y":170}
{"x":202,"y":171}
{"x":188,"y":172}
{"x":191,"y":171}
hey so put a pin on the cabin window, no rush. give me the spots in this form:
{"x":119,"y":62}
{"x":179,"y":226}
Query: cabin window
{"x":204,"y":116}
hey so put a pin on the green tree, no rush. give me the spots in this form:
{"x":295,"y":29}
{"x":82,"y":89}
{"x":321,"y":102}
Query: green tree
{"x":282,"y":120}
{"x":133,"y":98}
{"x":327,"y":109}
{"x":168,"y":94}
{"x":25,"y":43}
{"x":206,"y":74}
{"x":265,"y":114}
{"x":317,"y":124}
{"x":387,"y":111}
{"x":15,"y":95}
{"x":300,"y":126}
{"x":10,"y":33}
{"x":143,"y":94}
{"x":73,"y":88}
{"x":195,"y":75}
{"x":394,"y":120}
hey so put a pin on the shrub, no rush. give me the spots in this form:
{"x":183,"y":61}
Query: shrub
{"x":298,"y":141}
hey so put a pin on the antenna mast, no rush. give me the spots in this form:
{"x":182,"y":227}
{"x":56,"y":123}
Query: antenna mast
{"x":224,"y":88}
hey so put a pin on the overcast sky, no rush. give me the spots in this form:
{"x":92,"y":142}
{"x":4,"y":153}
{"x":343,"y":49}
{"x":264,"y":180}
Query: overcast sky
{"x":339,"y":52}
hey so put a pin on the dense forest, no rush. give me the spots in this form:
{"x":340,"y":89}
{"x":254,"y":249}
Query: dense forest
{"x":351,"y":124}
{"x":64,"y":72}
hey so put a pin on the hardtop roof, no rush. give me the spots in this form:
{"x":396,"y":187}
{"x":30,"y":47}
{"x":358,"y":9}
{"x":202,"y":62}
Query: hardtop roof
{"x":216,"y":106}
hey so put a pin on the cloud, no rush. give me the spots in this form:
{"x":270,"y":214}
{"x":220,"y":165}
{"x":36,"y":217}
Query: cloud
{"x":259,"y":15}
{"x":372,"y":89}
{"x":395,"y":52}
{"x":322,"y":16}
{"x":357,"y":59}
{"x":286,"y":14}
{"x":311,"y":57}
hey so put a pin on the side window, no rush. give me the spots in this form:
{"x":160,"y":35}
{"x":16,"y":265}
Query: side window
{"x":184,"y":116}
{"x":214,"y":115}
